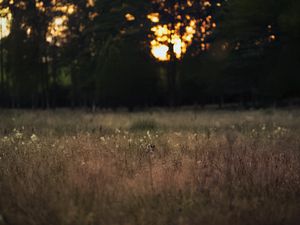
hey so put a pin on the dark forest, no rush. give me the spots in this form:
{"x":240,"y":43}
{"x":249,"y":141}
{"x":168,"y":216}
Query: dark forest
{"x":128,"y":53}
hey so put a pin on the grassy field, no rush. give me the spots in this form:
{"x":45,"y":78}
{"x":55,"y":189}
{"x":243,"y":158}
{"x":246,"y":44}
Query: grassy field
{"x":184,"y":167}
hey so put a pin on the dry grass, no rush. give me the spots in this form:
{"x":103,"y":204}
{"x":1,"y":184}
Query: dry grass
{"x":212,"y":168}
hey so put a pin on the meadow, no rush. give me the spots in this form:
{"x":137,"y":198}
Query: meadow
{"x":182,"y":167}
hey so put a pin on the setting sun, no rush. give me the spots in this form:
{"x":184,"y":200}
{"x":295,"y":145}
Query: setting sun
{"x":180,"y":37}
{"x":170,"y":39}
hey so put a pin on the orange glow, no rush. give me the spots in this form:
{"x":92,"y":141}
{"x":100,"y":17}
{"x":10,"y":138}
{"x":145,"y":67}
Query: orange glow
{"x":207,"y":4}
{"x":129,"y":17}
{"x":165,"y":37}
{"x":93,"y":15}
{"x":272,"y":37}
{"x":154,"y":17}
{"x":90,"y":3}
{"x":171,"y":40}
{"x":5,"y":22}
{"x":180,"y":37}
{"x":67,"y":9}
{"x":160,"y":51}
{"x":28,"y":31}
{"x":40,"y":6}
{"x":58,"y":30}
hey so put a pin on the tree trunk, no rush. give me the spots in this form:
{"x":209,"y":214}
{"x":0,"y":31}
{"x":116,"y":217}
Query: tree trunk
{"x":1,"y":71}
{"x":172,"y":84}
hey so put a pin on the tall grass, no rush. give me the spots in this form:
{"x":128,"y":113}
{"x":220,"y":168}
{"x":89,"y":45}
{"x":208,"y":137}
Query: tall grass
{"x":107,"y":168}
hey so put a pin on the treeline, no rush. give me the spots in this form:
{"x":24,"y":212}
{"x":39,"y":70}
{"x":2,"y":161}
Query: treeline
{"x":88,"y":53}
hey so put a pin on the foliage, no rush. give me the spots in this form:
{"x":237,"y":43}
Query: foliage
{"x":97,"y":58}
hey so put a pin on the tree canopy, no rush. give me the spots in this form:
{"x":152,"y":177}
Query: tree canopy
{"x":103,"y":53}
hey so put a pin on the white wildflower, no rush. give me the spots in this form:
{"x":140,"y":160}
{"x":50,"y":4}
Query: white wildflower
{"x":5,"y":138}
{"x":33,"y":138}
{"x":148,"y":134}
{"x":18,"y":134}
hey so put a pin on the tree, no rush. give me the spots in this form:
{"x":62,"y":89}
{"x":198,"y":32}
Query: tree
{"x":179,"y":27}
{"x":263,"y":40}
{"x":5,"y":27}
